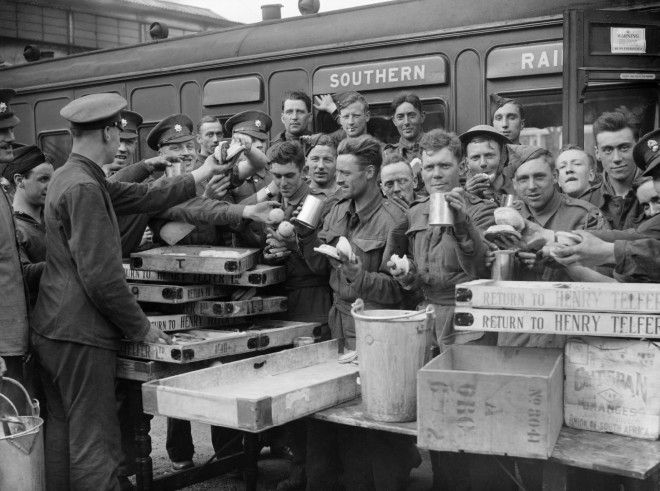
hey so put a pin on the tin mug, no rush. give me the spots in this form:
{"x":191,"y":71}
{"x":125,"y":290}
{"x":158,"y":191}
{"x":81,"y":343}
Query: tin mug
{"x":509,"y":201}
{"x":440,"y":212}
{"x":175,"y":169}
{"x":310,"y":213}
{"x":503,"y":265}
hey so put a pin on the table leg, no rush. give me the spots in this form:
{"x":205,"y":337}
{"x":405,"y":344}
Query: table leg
{"x":554,"y":476}
{"x":143,"y":463}
{"x":250,"y":467}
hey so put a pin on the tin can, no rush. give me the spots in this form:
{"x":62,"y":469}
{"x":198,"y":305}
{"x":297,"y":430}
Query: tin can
{"x":509,"y":200}
{"x":503,"y":266}
{"x":440,"y":213}
{"x":303,"y":341}
{"x":175,"y":169}
{"x":310,"y":213}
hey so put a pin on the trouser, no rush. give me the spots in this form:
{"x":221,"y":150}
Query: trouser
{"x":82,"y":443}
{"x":179,"y":443}
{"x":126,"y":413}
{"x":357,"y":459}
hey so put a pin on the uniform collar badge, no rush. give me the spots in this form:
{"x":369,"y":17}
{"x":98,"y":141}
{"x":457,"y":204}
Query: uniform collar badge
{"x":123,"y":123}
{"x":257,"y":123}
{"x":3,"y":107}
{"x":177,"y":128}
{"x":653,"y":145}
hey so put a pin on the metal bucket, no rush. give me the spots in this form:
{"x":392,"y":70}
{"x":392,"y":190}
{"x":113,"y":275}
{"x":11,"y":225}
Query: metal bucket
{"x":22,"y":448}
{"x":392,"y":345}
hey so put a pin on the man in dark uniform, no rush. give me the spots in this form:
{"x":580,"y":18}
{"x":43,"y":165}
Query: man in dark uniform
{"x":321,"y":162}
{"x":130,"y":122}
{"x":296,"y":113}
{"x":508,"y":117}
{"x":209,"y":135}
{"x":30,"y":174}
{"x":85,"y":306}
{"x":14,"y":298}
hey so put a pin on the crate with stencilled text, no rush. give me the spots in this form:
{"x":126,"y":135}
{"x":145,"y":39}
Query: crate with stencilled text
{"x":259,"y":276}
{"x":175,"y":294}
{"x":196,"y":259}
{"x":491,"y":400}
{"x":613,"y":386}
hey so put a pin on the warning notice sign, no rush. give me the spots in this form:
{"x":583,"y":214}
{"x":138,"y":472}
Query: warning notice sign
{"x":628,"y":40}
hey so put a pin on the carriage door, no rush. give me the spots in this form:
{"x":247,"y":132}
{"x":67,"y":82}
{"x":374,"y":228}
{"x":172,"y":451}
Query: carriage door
{"x":614,"y":61}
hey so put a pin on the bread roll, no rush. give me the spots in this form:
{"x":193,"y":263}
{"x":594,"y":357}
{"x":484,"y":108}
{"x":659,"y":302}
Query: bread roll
{"x":509,"y":216}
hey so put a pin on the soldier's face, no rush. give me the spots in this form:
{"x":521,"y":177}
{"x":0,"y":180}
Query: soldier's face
{"x":322,"y":163}
{"x":649,"y":199}
{"x":6,"y":140}
{"x":209,"y":136}
{"x":408,"y":120}
{"x":295,"y":116}
{"x":183,"y":152}
{"x":35,"y":185}
{"x":615,"y":151}
{"x":352,"y":178}
{"x":397,"y":180}
{"x":440,"y":171}
{"x":287,"y":177}
{"x":125,"y":152}
{"x":574,"y":172}
{"x":507,"y":121}
{"x":535,"y":183}
{"x":353,"y":119}
{"x":483,"y":157}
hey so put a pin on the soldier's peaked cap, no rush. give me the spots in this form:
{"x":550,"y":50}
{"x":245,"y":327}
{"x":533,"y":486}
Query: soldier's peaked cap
{"x":94,"y":111}
{"x":177,"y":128}
{"x":646,"y":153}
{"x":253,"y":123}
{"x":7,"y":117}
{"x":130,"y":122}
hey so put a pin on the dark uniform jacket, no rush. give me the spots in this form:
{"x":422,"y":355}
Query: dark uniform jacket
{"x":31,"y":238}
{"x":83,"y":295}
{"x":621,"y":212}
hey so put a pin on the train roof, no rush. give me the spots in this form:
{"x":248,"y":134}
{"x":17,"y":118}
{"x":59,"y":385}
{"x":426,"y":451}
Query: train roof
{"x":337,"y":30}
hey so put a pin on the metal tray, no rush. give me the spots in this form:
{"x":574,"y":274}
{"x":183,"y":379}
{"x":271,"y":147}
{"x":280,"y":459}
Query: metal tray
{"x":257,"y":393}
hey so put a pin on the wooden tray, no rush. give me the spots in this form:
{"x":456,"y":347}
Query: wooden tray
{"x":183,"y":322}
{"x":635,"y":298}
{"x":257,"y":393}
{"x":550,"y":322}
{"x":190,"y":259}
{"x":153,"y":292}
{"x":208,"y":344}
{"x":260,"y":275}
{"x":241,"y":308}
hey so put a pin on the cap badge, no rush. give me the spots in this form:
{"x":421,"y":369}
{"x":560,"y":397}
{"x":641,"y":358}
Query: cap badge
{"x":3,"y":107}
{"x":653,"y":145}
{"x":123,"y":123}
{"x":257,"y":123}
{"x":178,"y":128}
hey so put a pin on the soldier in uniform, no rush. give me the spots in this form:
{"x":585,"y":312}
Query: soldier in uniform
{"x":30,"y":174}
{"x":508,"y":117}
{"x":296,"y":114}
{"x":84,"y":305}
{"x":398,"y":180}
{"x":321,"y":162}
{"x":130,"y":122}
{"x":576,"y":172}
{"x":209,"y":135}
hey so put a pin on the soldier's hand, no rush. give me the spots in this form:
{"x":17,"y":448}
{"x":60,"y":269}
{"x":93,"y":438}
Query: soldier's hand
{"x":209,"y":168}
{"x":244,"y":140}
{"x":534,"y":237}
{"x":325,"y":103}
{"x":157,"y":164}
{"x":217,"y":187}
{"x":261,"y":212}
{"x":155,"y":335}
{"x":527,"y":259}
{"x":456,"y":200}
{"x":590,"y":251}
{"x":400,"y":203}
{"x":276,"y":253}
{"x":489,"y":257}
{"x":351,"y":269}
{"x":477,"y":184}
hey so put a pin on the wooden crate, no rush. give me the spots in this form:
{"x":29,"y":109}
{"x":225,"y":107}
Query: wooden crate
{"x":491,"y":400}
{"x":196,"y":345}
{"x":257,"y":393}
{"x":157,"y":293}
{"x":259,"y":276}
{"x":183,"y":322}
{"x":636,"y":298}
{"x":192,"y":259}
{"x":241,"y":308}
{"x":613,"y":386}
{"x":608,"y":324}
{"x":143,"y":371}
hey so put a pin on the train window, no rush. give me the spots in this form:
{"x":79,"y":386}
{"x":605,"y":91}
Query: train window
{"x":56,"y":145}
{"x":543,"y":119}
{"x":642,"y":101}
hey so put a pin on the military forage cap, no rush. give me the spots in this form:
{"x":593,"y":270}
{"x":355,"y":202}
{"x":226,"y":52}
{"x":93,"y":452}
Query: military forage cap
{"x":646,"y":153}
{"x":253,"y":123}
{"x":130,"y":121}
{"x":7,"y":117}
{"x":25,"y":159}
{"x":177,"y":128}
{"x":94,"y":111}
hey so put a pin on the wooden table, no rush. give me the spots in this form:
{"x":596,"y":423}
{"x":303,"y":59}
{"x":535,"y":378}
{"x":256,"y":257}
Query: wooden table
{"x":603,"y":452}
